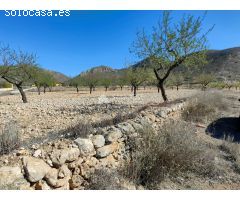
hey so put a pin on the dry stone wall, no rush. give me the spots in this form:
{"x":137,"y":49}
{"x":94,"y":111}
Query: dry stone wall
{"x":67,"y":164}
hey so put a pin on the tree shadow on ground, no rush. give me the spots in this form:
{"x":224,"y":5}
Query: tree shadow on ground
{"x":224,"y":128}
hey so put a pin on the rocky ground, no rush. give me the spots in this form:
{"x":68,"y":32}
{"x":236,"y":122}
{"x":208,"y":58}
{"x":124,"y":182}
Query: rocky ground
{"x":67,"y":164}
{"x":54,"y":111}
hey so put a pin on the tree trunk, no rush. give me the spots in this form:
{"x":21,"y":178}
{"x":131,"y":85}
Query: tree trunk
{"x":131,"y":88}
{"x":44,"y":89}
{"x":50,"y":89}
{"x":90,"y":90}
{"x":77,"y":89}
{"x":134,"y":91}
{"x":106,"y":88}
{"x":121,"y":87}
{"x":161,"y":86}
{"x":39,"y":91}
{"x":158,"y":89}
{"x":24,"y":97}
{"x":204,"y":87}
{"x":177,"y":87}
{"x":144,"y":87}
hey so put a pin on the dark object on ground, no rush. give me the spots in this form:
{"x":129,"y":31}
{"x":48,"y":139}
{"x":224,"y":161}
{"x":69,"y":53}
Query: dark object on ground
{"x":225,"y":128}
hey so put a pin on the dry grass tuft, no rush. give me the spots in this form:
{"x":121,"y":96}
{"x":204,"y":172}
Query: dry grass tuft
{"x":233,"y":149}
{"x":9,"y":138}
{"x":104,"y":179}
{"x":79,"y":130}
{"x":204,"y":107}
{"x":173,"y":151}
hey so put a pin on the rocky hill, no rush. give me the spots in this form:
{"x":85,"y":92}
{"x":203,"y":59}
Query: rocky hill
{"x":225,"y":64}
{"x":61,"y":78}
{"x":101,"y":69}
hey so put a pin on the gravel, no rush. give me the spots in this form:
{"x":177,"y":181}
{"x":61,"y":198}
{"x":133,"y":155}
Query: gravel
{"x":54,"y":111}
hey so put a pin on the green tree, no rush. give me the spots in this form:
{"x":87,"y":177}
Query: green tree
{"x":217,"y":85}
{"x":236,"y":84}
{"x":105,"y":80}
{"x":135,"y":77}
{"x":76,"y":82}
{"x":121,"y":80}
{"x":16,"y":68}
{"x":48,"y":81}
{"x":205,"y":80}
{"x":171,"y":45}
{"x":42,"y":78}
{"x":91,"y":80}
{"x":229,"y":84}
{"x":177,"y":80}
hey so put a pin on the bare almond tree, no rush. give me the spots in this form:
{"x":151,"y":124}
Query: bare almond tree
{"x":171,"y":45}
{"x":16,"y":67}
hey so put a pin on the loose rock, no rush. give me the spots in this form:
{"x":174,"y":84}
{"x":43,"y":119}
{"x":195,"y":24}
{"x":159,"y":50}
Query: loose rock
{"x":85,"y":146}
{"x":35,"y":169}
{"x":114,"y":135}
{"x":98,"y":141}
{"x":106,"y":150}
{"x":8,"y":175}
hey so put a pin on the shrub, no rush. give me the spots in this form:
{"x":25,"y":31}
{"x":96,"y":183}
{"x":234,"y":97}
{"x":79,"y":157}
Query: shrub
{"x":198,"y":112}
{"x":204,"y":107}
{"x":233,"y":149}
{"x":213,"y":99}
{"x":79,"y":130}
{"x":9,"y":138}
{"x":5,"y":85}
{"x":104,"y":179}
{"x":175,"y":150}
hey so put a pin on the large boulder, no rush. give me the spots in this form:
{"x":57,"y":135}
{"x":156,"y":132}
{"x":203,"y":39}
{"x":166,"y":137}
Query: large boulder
{"x":106,"y":150}
{"x":35,"y":169}
{"x":85,"y":146}
{"x":9,"y":175}
{"x":98,"y":141}
{"x":113,"y":135}
{"x":61,"y":156}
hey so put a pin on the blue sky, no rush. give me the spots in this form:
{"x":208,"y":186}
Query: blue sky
{"x":90,"y":38}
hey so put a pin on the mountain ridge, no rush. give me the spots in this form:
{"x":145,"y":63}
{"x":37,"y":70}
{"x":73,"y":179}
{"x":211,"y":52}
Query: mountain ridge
{"x":225,"y":64}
